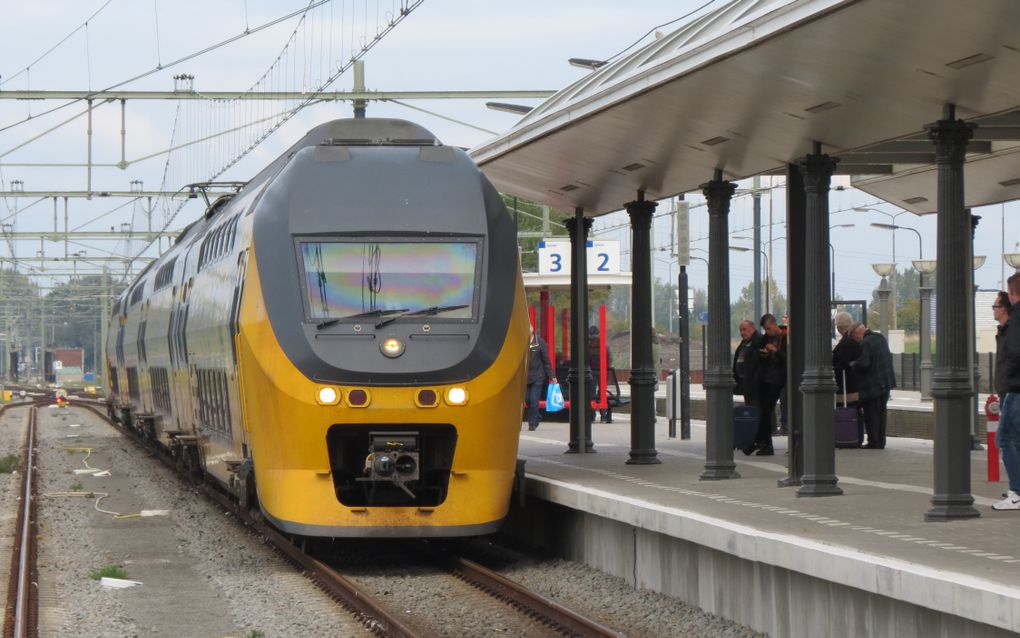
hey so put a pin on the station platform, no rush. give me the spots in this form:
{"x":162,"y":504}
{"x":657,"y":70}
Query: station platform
{"x":864,"y":563}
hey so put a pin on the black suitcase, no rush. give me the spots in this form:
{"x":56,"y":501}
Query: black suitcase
{"x":745,"y":426}
{"x":849,"y":429}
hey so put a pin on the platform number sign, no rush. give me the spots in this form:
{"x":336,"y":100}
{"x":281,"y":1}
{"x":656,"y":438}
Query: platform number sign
{"x":554,"y":257}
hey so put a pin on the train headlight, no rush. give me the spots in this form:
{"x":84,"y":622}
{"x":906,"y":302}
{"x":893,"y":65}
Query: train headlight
{"x":456,"y":396}
{"x":392,"y":347}
{"x":327,"y":396}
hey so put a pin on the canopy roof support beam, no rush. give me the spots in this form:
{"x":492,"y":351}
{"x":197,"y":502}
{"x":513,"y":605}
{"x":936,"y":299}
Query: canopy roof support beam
{"x":719,"y":462}
{"x":818,"y":384}
{"x":952,"y":385}
{"x":642,"y":377}
{"x":579,"y":377}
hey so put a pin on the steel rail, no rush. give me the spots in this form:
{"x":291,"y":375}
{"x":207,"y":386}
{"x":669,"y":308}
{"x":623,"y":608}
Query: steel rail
{"x":21,"y":618}
{"x":524,"y":599}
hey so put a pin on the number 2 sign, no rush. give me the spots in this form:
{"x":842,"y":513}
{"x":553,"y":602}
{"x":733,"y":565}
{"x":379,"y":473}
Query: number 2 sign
{"x":554,"y":257}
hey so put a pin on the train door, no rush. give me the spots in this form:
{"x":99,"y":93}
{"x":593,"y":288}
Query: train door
{"x":180,"y":360}
{"x":236,"y":404}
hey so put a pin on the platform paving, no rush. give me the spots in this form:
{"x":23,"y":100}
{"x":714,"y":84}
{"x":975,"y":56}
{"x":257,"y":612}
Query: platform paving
{"x":876,"y":530}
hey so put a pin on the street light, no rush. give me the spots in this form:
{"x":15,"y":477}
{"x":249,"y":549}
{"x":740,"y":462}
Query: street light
{"x":1013,"y":259}
{"x":884,"y":270}
{"x":892,"y":217}
{"x":768,"y":270}
{"x":832,"y":258}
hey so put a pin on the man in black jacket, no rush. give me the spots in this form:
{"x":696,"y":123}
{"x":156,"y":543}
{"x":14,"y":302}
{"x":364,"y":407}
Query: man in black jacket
{"x":745,"y":361}
{"x":771,"y":378}
{"x":539,"y":370}
{"x":875,"y":380}
{"x":1007,"y":438}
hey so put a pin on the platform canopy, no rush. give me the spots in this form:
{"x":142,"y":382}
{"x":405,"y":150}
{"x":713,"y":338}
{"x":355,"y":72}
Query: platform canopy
{"x":748,"y":85}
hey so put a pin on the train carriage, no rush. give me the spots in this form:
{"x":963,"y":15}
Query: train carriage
{"x":343,"y":342}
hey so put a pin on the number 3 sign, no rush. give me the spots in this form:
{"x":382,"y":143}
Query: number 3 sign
{"x":554,"y":257}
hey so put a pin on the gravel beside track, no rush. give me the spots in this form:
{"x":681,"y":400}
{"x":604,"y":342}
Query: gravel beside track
{"x":606,"y":599}
{"x":203,"y":574}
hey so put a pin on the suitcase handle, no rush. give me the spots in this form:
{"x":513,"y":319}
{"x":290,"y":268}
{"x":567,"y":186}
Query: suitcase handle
{"x":844,"y":387}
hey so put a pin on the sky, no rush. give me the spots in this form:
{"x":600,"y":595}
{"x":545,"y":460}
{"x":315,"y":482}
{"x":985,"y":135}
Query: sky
{"x":441,"y":45}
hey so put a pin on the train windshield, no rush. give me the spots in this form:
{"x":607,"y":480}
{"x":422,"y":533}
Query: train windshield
{"x":354,"y":279}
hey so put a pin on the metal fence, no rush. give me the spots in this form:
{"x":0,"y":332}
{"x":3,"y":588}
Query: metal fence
{"x":908,"y":370}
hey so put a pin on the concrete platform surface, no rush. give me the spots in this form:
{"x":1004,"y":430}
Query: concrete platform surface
{"x":873,"y":537}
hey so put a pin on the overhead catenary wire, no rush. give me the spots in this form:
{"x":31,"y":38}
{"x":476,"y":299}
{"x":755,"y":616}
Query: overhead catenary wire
{"x":84,"y":24}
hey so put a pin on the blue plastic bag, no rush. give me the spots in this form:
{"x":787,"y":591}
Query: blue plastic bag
{"x":554,"y":398}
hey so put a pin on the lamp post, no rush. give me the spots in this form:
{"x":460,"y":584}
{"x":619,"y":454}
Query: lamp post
{"x":832,"y":257}
{"x":768,"y":268}
{"x":892,"y":217}
{"x":883,"y":271}
{"x":925,"y":267}
{"x":1013,"y":259}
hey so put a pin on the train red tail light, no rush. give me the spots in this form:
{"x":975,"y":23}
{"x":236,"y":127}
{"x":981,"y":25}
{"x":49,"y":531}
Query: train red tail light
{"x":358,"y":398}
{"x":426,"y":399}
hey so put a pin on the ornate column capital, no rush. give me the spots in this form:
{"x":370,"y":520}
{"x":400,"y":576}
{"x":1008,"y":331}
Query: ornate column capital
{"x":718,"y":192}
{"x":571,"y":224}
{"x":817,"y":170}
{"x":640,"y":212}
{"x":950,"y":138}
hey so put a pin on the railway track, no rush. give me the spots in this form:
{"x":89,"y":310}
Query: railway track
{"x":376,"y":616}
{"x":21,"y":613}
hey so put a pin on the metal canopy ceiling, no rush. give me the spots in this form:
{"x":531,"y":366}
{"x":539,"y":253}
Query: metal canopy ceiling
{"x":749,"y":86}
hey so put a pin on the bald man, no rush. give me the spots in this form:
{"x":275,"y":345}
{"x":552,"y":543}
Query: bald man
{"x":875,"y":380}
{"x":745,"y":361}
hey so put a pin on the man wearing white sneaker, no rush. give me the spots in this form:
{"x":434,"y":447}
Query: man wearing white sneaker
{"x":1007,"y":438}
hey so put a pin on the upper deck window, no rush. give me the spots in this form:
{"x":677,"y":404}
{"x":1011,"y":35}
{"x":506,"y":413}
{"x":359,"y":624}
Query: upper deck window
{"x":390,"y":277}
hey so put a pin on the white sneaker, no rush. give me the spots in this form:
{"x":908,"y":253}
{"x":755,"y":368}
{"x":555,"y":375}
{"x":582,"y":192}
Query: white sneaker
{"x":1011,"y":502}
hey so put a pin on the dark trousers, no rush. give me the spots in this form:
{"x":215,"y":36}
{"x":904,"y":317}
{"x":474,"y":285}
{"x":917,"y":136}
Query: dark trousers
{"x":874,"y":419}
{"x":768,"y":395}
{"x":533,"y":396}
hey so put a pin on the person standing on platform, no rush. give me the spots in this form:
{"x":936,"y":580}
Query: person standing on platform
{"x":875,"y":380}
{"x":846,"y":352}
{"x":1007,"y":438}
{"x":745,"y":361}
{"x":1000,"y":312}
{"x":539,"y":371}
{"x":771,"y":380}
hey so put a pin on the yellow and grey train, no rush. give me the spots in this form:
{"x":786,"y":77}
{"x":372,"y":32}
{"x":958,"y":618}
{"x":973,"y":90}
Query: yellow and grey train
{"x":342,"y":342}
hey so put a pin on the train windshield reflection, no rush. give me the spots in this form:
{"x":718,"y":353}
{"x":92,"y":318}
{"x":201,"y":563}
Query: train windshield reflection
{"x":354,"y":279}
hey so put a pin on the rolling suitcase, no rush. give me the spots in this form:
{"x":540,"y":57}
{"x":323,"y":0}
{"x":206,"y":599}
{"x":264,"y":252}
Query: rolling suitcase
{"x":849,"y":430}
{"x":745,"y":426}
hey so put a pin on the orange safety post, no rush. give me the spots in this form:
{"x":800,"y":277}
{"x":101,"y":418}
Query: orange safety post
{"x":992,"y":417}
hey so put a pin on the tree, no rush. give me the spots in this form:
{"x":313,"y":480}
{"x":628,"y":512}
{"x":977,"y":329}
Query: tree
{"x":743,"y":308}
{"x":74,"y":316}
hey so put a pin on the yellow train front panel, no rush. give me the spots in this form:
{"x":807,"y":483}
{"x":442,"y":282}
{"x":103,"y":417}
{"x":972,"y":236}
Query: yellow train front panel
{"x":288,"y":425}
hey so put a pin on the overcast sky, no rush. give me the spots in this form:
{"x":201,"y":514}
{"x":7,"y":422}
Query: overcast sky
{"x":442,"y":45}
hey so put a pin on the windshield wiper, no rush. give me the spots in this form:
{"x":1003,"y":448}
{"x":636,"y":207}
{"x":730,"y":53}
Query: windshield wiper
{"x":432,"y":310}
{"x":370,"y":313}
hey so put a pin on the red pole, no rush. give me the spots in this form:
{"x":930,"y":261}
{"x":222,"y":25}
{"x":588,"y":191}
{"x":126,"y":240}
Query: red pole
{"x":565,"y":326}
{"x":603,"y":363}
{"x":550,"y":331}
{"x":992,"y":417}
{"x":531,"y":314}
{"x":543,"y":317}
